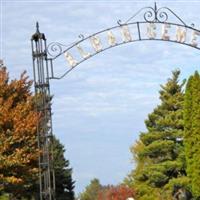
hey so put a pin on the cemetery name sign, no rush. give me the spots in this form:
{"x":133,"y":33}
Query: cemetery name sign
{"x":155,"y":26}
{"x":154,"y":31}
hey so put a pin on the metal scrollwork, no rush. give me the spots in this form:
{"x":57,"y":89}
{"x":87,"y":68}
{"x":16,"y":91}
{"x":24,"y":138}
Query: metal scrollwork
{"x":81,"y":36}
{"x":162,"y":16}
{"x":55,"y":48}
{"x":149,"y":15}
{"x":120,"y":22}
{"x":153,"y":14}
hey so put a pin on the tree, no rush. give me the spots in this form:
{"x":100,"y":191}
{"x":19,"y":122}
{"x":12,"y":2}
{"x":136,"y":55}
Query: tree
{"x":18,"y":138}
{"x":192,"y":132}
{"x":159,"y":153}
{"x":120,"y":192}
{"x":92,"y":190}
{"x":63,"y":174}
{"x":18,"y":143}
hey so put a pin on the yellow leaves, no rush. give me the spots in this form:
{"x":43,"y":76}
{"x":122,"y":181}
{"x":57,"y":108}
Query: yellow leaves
{"x":3,"y":76}
{"x":14,"y":180}
{"x":136,"y":148}
{"x":18,"y":125}
{"x":34,"y":170}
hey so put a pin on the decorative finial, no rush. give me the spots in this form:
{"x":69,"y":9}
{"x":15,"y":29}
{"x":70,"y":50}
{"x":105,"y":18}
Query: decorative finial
{"x":37,"y":27}
{"x":155,"y":6}
{"x":36,"y":36}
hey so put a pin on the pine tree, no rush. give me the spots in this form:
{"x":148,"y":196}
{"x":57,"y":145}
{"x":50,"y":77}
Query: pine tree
{"x":63,"y":174}
{"x":18,"y":140}
{"x":192,"y":132}
{"x":91,"y":191}
{"x":159,"y":153}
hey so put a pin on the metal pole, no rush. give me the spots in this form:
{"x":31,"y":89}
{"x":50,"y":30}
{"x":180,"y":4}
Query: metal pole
{"x":43,"y":106}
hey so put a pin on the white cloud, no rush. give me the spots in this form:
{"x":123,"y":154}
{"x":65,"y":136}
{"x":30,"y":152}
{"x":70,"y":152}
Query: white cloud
{"x":115,"y":89}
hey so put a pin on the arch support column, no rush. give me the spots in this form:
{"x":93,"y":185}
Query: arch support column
{"x":43,"y":106}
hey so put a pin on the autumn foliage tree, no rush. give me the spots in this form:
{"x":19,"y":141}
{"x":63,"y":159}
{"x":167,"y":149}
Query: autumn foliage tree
{"x":18,"y":142}
{"x":120,"y":192}
{"x":96,"y":191}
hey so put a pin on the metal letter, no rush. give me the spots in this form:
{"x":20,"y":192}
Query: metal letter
{"x":165,"y":28}
{"x":180,"y":34}
{"x":111,"y":38}
{"x":194,"y":41}
{"x":70,"y":59}
{"x":84,"y":54}
{"x":126,"y":33}
{"x":151,"y":27}
{"x":96,"y":43}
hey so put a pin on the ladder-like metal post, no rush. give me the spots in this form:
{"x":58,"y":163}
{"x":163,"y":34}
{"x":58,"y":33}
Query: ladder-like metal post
{"x":43,"y":106}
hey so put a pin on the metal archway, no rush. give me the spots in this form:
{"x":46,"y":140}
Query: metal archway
{"x":155,"y":25}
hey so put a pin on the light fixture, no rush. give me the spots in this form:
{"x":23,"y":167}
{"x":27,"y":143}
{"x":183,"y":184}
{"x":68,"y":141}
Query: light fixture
{"x":165,"y":29}
{"x":72,"y":62}
{"x":84,"y":54}
{"x":194,"y":38}
{"x":151,"y":27}
{"x":126,"y":33}
{"x":96,"y":43}
{"x":111,"y":38}
{"x":180,"y":34}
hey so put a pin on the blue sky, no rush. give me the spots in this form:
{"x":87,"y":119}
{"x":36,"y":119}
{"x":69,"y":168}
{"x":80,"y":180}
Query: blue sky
{"x":100,"y":107}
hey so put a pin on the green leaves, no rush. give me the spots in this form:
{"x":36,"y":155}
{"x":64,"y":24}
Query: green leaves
{"x":159,"y":152}
{"x":63,"y":173}
{"x":92,"y":190}
{"x":192,"y":131}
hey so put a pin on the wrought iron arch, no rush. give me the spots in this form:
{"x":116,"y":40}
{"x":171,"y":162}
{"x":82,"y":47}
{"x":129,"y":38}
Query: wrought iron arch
{"x":152,"y":18}
{"x":44,"y":55}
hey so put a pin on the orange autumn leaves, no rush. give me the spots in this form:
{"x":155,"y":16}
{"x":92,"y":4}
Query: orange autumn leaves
{"x":18,"y":138}
{"x":120,"y":192}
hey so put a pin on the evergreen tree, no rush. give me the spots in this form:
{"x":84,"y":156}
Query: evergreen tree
{"x":159,"y":153}
{"x":192,"y":132}
{"x":63,"y":174}
{"x":92,"y":190}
